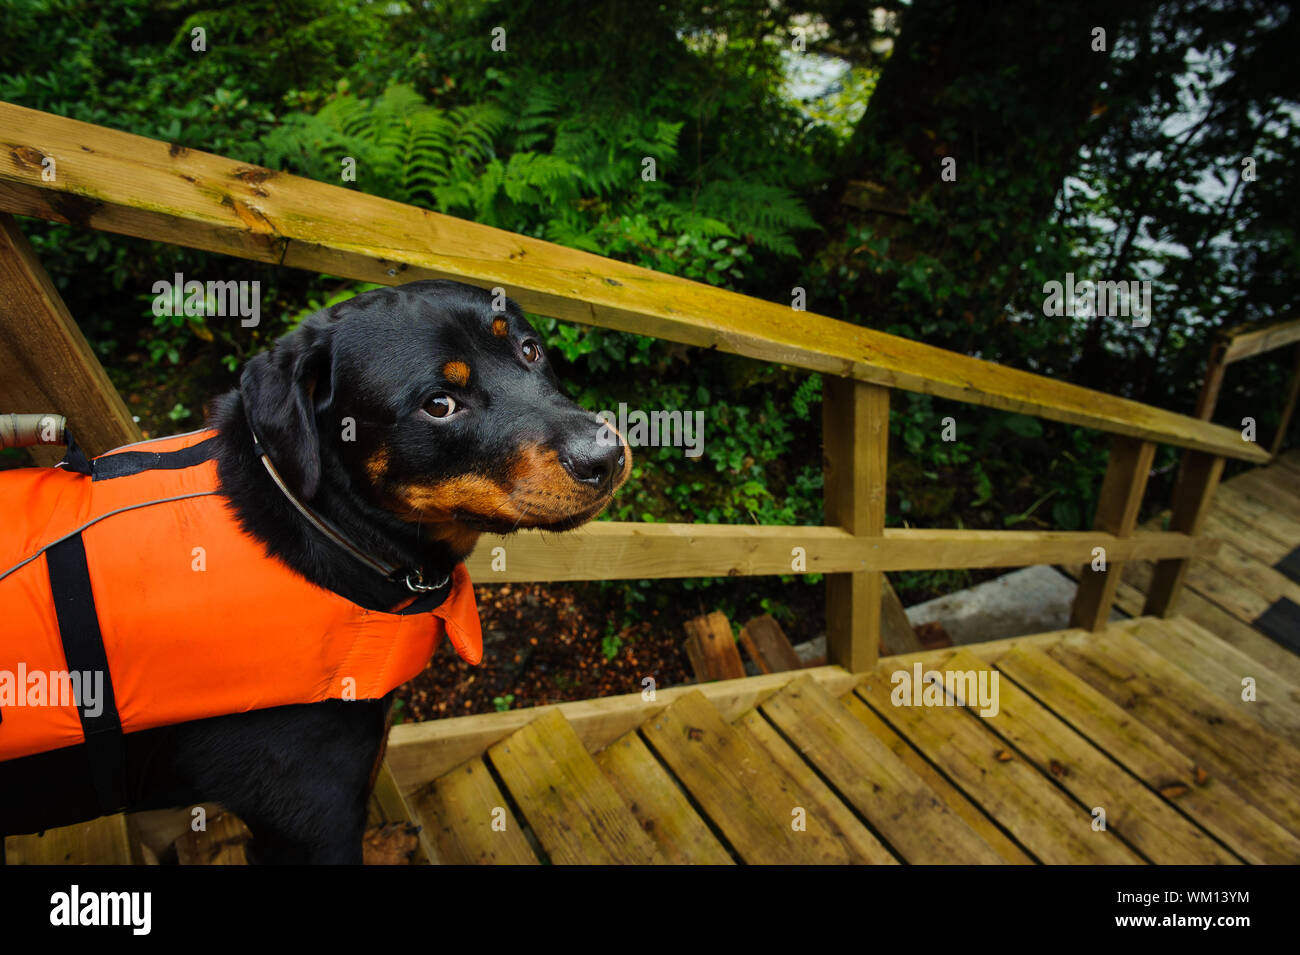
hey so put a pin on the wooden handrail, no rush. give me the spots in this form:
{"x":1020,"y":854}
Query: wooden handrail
{"x":118,"y":182}
{"x":122,"y":183}
{"x":1246,"y":341}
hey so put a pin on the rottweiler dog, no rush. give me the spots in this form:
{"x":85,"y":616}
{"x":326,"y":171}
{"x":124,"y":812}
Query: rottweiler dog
{"x":414,"y":419}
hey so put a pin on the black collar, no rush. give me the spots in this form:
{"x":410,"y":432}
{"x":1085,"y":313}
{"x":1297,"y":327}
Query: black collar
{"x":413,"y":577}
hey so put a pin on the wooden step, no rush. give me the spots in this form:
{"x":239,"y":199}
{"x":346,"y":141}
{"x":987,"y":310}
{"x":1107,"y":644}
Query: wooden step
{"x":222,"y":841}
{"x":1140,"y":817}
{"x":1232,"y":530}
{"x":860,"y":840}
{"x":892,"y":798}
{"x":1273,"y":488}
{"x":1177,"y":775}
{"x":1002,"y":781}
{"x":1224,"y":625}
{"x":575,"y":812}
{"x":1222,"y":668}
{"x":660,"y":807}
{"x":102,"y":841}
{"x":953,"y":798}
{"x":1188,"y":715}
{"x":754,"y":803}
{"x":388,"y":807}
{"x":1257,"y":514}
{"x":468,"y":820}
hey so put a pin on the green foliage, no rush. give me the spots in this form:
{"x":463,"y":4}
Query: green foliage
{"x":610,"y":645}
{"x":550,"y":139}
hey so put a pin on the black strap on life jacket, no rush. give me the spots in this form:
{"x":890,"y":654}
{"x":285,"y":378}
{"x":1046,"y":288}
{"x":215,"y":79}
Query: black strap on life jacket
{"x":83,"y":648}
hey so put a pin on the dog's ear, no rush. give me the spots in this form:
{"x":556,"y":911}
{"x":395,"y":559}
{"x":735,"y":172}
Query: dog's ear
{"x":282,"y":389}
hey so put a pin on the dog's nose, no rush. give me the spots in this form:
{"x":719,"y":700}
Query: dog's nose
{"x":595,"y":460}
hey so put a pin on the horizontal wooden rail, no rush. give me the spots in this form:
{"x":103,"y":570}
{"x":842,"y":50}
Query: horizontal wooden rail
{"x":1248,"y":341}
{"x":610,"y":550}
{"x":118,"y":182}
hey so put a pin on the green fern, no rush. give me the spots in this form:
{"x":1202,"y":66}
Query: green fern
{"x":488,"y":161}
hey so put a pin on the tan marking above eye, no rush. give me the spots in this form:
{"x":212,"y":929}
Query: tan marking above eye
{"x":457,"y":372}
{"x":377,"y":464}
{"x":500,"y":327}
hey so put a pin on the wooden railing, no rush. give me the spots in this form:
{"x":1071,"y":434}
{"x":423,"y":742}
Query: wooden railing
{"x":117,"y":182}
{"x":1247,"y":341}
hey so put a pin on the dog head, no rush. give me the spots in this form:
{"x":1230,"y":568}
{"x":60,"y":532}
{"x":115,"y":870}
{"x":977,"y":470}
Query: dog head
{"x":437,"y":402}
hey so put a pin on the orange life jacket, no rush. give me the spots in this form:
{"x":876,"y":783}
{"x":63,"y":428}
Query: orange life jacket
{"x":196,"y":619}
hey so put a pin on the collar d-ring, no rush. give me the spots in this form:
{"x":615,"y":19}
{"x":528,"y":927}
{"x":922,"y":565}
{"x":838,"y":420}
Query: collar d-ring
{"x":419,"y":586}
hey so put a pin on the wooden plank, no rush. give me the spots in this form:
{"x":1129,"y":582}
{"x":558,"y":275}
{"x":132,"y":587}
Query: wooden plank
{"x":1177,"y":776}
{"x":122,"y":183}
{"x":388,"y":805}
{"x":897,"y":635}
{"x":1215,"y":367}
{"x":1254,"y":575}
{"x":102,"y":841}
{"x":768,"y":646}
{"x":420,"y":752}
{"x":612,"y":550}
{"x":1140,"y":817}
{"x":712,"y":648}
{"x":1208,"y":581}
{"x":1223,"y":624}
{"x":1117,"y":511}
{"x":906,"y":812}
{"x":1276,"y":490}
{"x":749,"y":799}
{"x":860,"y":840}
{"x":1247,"y":639}
{"x":1232,"y":530}
{"x":1221,"y":668}
{"x":658,"y":805}
{"x":953,"y":798}
{"x":46,"y":364}
{"x":576,"y":814}
{"x":939,"y":655}
{"x":222,"y":842}
{"x":1245,"y":341}
{"x":468,"y":820}
{"x":157,"y":829}
{"x":1044,"y":820}
{"x":1254,"y":512}
{"x":1187,"y":714}
{"x":855,"y":445}
{"x":1197,"y":482}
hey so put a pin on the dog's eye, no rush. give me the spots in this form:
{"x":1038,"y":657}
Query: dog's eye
{"x":441,"y":406}
{"x":532,"y":351}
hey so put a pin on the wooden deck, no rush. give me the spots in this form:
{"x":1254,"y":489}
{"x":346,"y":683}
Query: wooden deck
{"x":1144,"y":722}
{"x":1180,"y":732}
{"x":1148,"y":721}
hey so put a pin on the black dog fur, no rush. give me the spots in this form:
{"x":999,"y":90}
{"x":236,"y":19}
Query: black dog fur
{"x":414,"y":488}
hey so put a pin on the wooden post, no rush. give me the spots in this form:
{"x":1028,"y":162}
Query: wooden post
{"x":855,"y":438}
{"x":46,"y":364}
{"x":1198,"y":481}
{"x":1117,"y":513}
{"x":1213,"y":384}
{"x":1292,"y":394}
